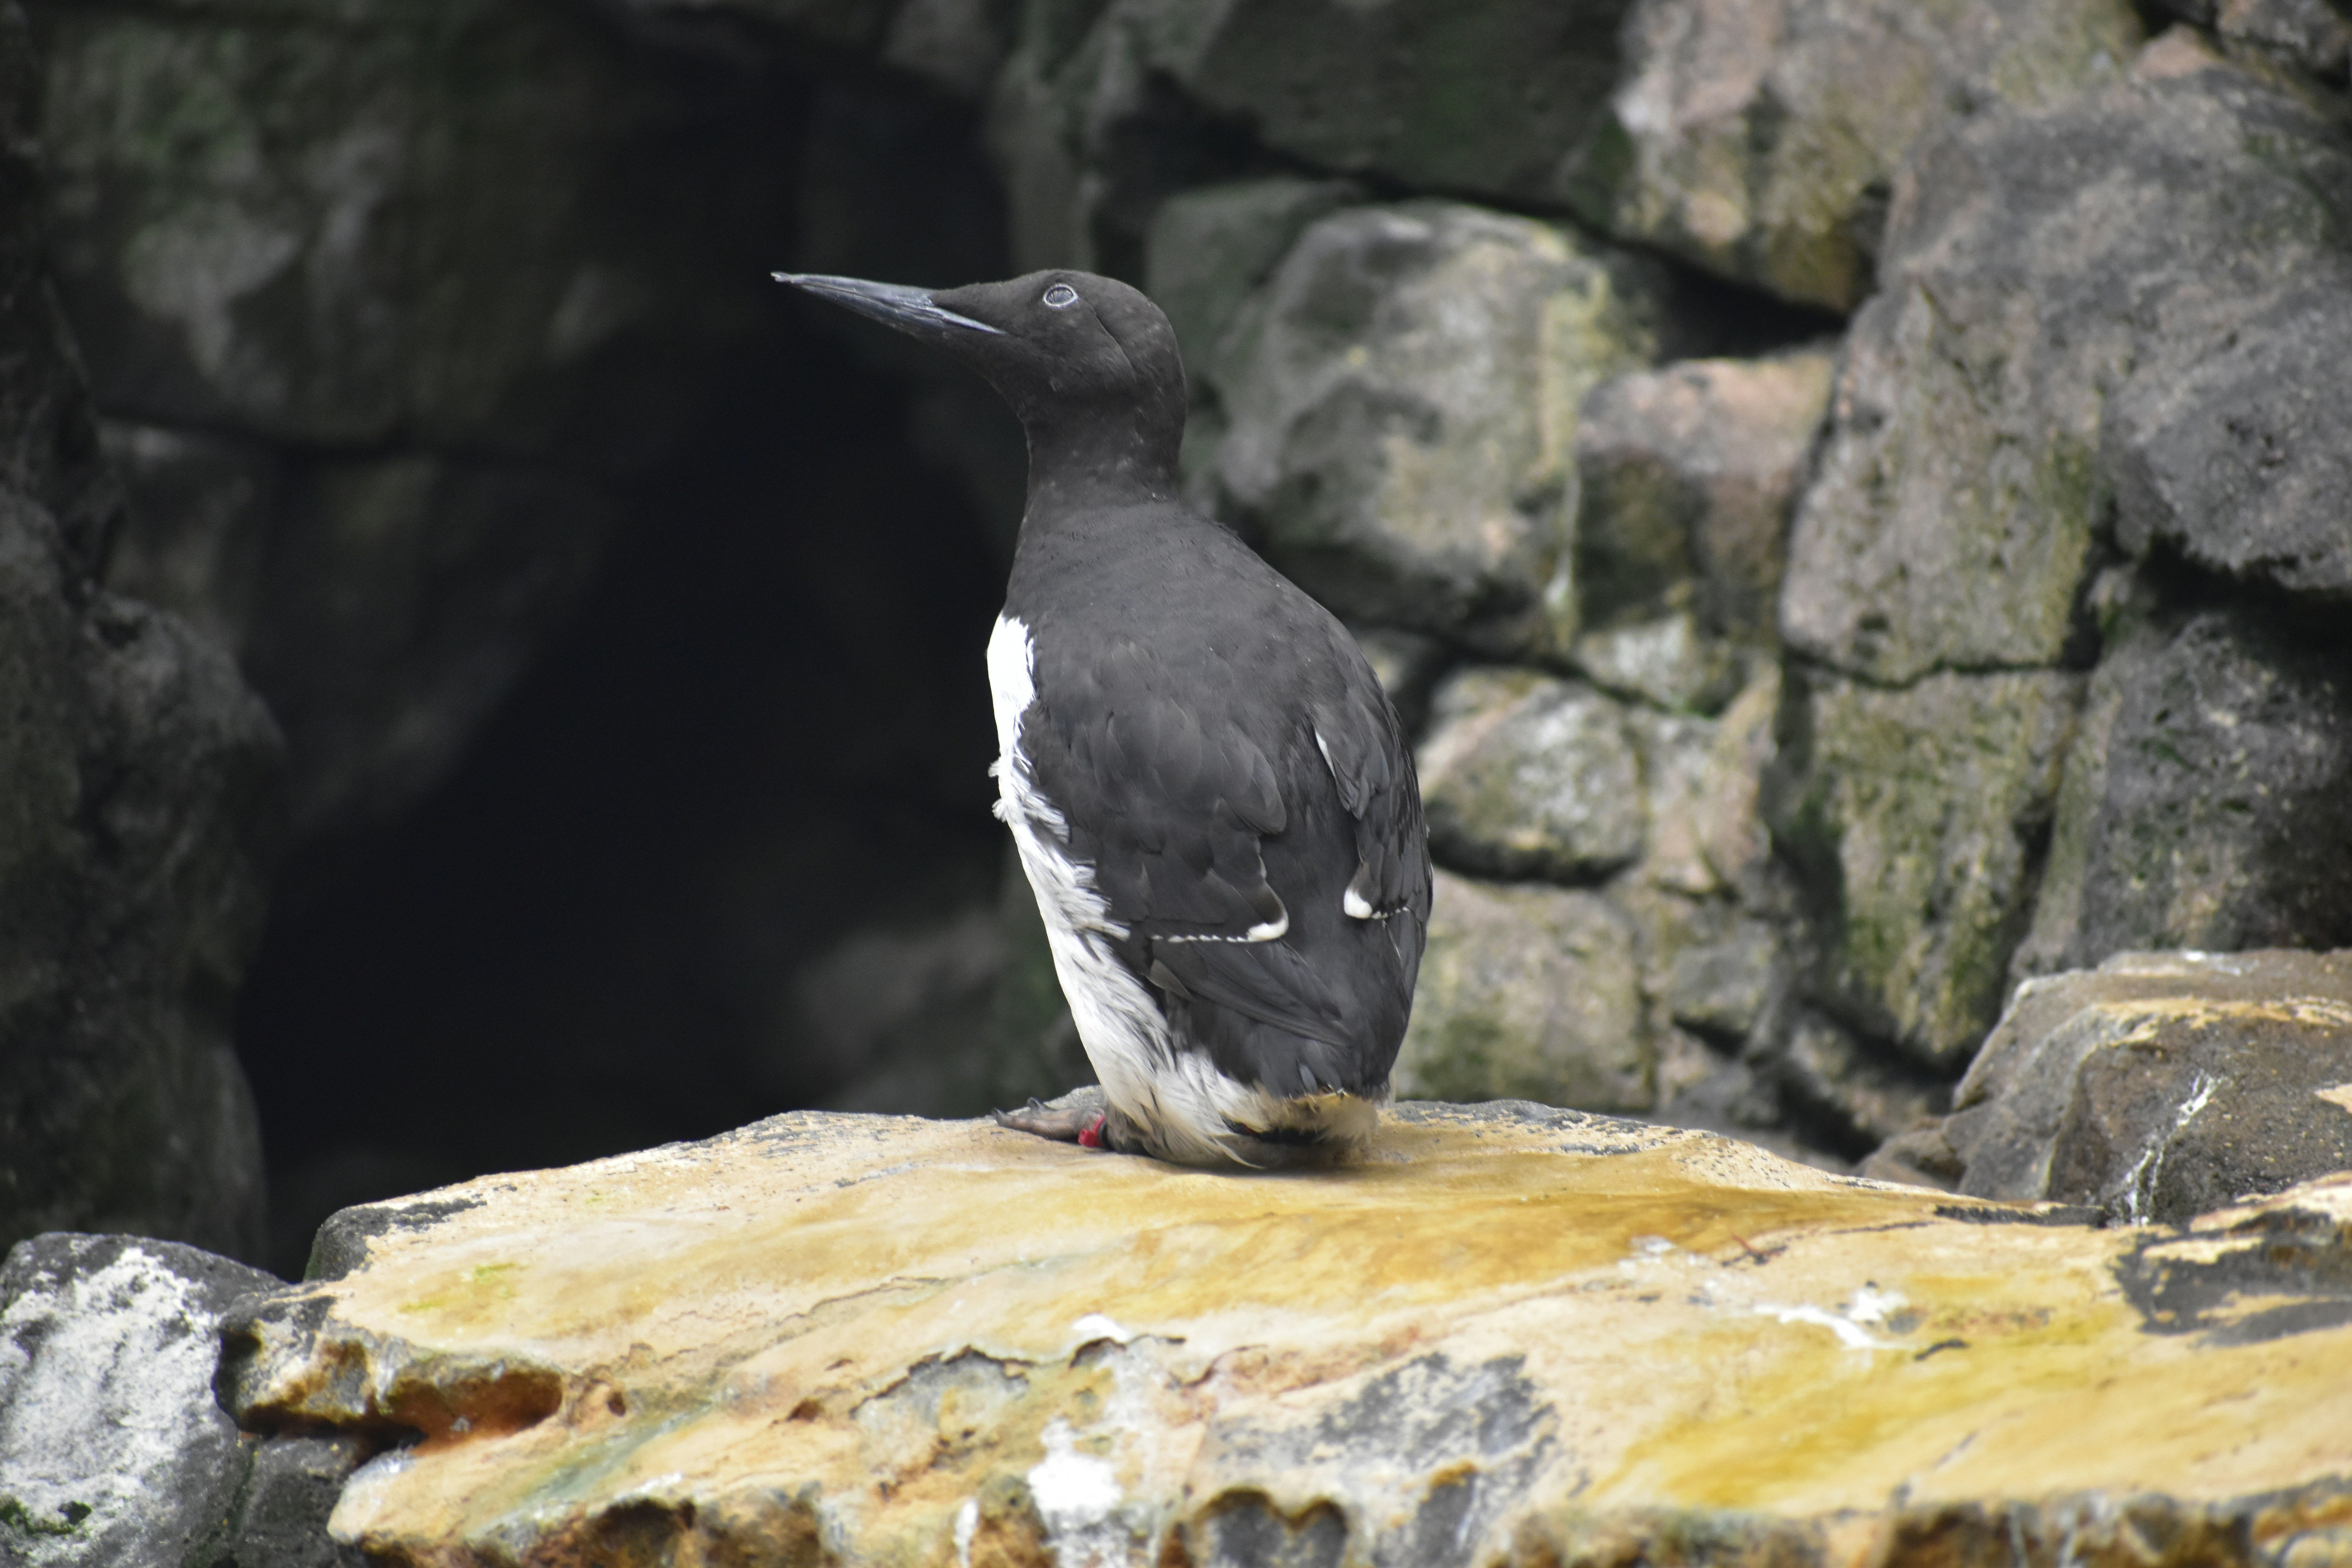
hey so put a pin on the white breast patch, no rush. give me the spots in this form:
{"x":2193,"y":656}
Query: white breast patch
{"x":1180,"y":1101}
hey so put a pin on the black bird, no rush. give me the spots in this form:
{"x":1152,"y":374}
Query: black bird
{"x":1210,"y":791}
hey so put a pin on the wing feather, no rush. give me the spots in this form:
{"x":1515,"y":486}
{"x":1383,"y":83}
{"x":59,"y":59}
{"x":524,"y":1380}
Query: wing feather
{"x":1176,"y":787}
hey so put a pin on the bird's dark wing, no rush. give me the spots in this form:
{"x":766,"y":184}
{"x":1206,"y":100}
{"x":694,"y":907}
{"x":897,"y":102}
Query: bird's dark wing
{"x":1364,"y":747}
{"x":1227,"y":831}
{"x":1165,"y":797}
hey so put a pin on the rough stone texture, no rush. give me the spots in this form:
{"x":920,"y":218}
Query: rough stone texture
{"x":1508,"y":1335}
{"x":1403,"y":397}
{"x":1104,"y":109}
{"x":47,"y":447}
{"x":954,"y":45}
{"x":383,"y":606}
{"x":1669,"y":663}
{"x":1690,"y":474}
{"x":136,"y":820}
{"x":1758,"y":138}
{"x":2155,"y":1086}
{"x":1205,"y":253}
{"x":1208,"y":250}
{"x":2208,"y":797}
{"x":138,"y":781}
{"x":355,"y":281}
{"x":1531,"y":993}
{"x":1912,"y":814}
{"x":2314,"y":35}
{"x":1681,"y":784}
{"x":1830,"y":1076}
{"x":1439,"y":96}
{"x":240,"y":218}
{"x":2072,"y":300}
{"x":290,"y":1494}
{"x":112,"y":1447}
{"x":1728,"y":824}
{"x":1726,"y":988}
{"x":1527,"y":775}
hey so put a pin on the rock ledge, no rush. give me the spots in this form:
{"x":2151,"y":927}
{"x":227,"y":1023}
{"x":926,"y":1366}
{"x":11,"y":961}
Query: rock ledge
{"x":1508,"y":1334}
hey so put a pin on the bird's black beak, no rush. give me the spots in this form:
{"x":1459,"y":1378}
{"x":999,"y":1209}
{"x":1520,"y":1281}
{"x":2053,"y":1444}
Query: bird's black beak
{"x":909,"y":310}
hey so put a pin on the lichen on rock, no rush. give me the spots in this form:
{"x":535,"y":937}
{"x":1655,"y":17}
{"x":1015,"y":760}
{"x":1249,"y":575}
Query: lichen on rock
{"x":1508,"y":1329}
{"x":1913,"y":813}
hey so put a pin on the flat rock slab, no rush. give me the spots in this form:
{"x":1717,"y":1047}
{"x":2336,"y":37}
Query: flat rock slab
{"x":1507,"y":1333}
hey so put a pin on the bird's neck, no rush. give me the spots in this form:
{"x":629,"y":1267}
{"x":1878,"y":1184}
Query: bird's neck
{"x":1076,"y":467}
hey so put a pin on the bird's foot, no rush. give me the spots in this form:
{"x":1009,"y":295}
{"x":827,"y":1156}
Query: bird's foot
{"x":1080,"y":1116}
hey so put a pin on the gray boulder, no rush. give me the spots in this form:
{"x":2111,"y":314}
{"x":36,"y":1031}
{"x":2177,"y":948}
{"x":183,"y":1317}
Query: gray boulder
{"x":1727,"y":988}
{"x":114,"y":1451}
{"x":1913,"y":815}
{"x":1688,"y":474}
{"x":2208,"y":798}
{"x":1668,"y":663}
{"x":1527,"y":993}
{"x":1526,"y":774}
{"x":2314,"y":35}
{"x":1758,"y":138}
{"x":1482,"y":98}
{"x":1402,"y":396}
{"x":2239,"y":461}
{"x":2067,"y":296}
{"x":2157,"y":1086}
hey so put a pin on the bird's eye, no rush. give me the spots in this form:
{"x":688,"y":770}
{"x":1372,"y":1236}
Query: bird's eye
{"x":1061,"y":295}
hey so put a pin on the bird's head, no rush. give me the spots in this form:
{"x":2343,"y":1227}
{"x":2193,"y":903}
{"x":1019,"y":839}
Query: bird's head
{"x":1088,"y":364}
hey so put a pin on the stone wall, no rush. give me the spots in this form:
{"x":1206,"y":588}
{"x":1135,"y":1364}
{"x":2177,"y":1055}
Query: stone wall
{"x":1851,"y":498}
{"x":138,"y":814}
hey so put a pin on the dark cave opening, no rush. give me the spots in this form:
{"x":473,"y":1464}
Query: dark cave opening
{"x":766,"y":726}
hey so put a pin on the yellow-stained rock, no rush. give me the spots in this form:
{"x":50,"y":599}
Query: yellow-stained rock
{"x":1507,"y":1333}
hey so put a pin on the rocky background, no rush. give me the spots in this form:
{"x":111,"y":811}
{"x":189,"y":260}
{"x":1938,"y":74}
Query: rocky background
{"x":1852,"y":496}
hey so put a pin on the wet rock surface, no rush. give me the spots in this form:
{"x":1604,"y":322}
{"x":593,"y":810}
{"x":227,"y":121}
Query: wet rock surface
{"x":114,"y":1451}
{"x":2154,"y":1087}
{"x":1075,"y":1355}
